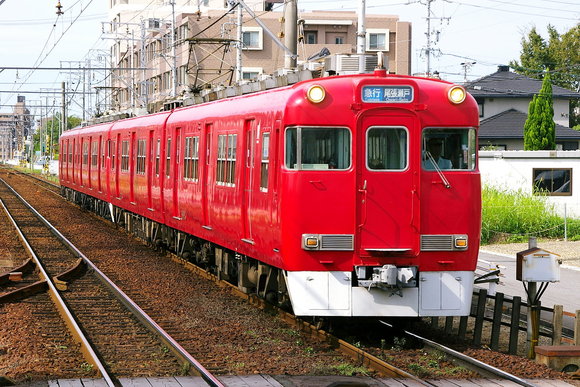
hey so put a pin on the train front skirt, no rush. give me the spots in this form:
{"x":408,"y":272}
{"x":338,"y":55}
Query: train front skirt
{"x":440,"y":293}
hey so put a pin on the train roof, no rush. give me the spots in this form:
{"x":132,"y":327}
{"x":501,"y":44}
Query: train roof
{"x":275,"y":95}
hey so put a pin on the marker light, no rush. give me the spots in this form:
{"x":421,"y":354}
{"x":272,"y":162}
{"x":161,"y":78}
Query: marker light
{"x":316,"y":94}
{"x":461,"y":242}
{"x":311,"y":242}
{"x":456,"y":94}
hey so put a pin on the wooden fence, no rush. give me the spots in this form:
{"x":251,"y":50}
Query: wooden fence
{"x":501,"y":315}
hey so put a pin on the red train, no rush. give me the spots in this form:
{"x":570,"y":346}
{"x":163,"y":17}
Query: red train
{"x":344,"y":196}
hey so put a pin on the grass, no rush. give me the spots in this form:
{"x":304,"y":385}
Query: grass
{"x":513,"y":216}
{"x":350,"y":370}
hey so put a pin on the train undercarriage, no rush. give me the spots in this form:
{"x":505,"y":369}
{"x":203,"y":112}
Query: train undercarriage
{"x":249,"y":275}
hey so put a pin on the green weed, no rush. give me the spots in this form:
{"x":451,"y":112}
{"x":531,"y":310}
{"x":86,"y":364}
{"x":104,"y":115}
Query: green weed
{"x":514,"y":216}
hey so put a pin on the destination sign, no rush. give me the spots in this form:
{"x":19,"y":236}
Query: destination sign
{"x":387,"y":94}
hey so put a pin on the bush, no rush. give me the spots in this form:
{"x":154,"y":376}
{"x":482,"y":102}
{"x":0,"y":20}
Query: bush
{"x":513,"y":216}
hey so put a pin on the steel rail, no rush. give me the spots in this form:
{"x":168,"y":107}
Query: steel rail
{"x":479,"y":365}
{"x":86,"y":348}
{"x":370,"y":361}
{"x":176,"y":348}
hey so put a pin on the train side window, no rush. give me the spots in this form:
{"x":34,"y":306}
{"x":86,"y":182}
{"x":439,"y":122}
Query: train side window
{"x":141,"y":154}
{"x":221,"y":159}
{"x":387,"y":148}
{"x":85,"y":153}
{"x":112,"y":153}
{"x":191,"y":158}
{"x":157,"y":157}
{"x":103,"y":154}
{"x":226,"y":159}
{"x":316,"y":148}
{"x":231,"y":161}
{"x":94,"y":154}
{"x":125,"y":156}
{"x":449,"y":149}
{"x":265,"y":163}
{"x":168,"y":158}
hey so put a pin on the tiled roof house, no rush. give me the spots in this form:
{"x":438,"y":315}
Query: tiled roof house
{"x":503,"y":98}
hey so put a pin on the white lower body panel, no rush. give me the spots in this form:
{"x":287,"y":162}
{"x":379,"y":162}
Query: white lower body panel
{"x":319,"y":293}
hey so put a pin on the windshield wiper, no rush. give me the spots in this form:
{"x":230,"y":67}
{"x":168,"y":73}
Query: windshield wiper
{"x":439,"y":172}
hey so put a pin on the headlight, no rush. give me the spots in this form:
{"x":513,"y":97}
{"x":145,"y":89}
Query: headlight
{"x":316,"y":94}
{"x":456,"y":94}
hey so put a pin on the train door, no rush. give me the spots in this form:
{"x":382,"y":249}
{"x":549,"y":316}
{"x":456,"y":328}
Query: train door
{"x":89,"y":166}
{"x":132,"y":150}
{"x":65,"y":167}
{"x":149,"y":168}
{"x":115,"y":163}
{"x":176,"y":173}
{"x":205,"y":175}
{"x":388,"y":206}
{"x":248,"y":179}
{"x":74,"y":161}
{"x":100,"y":163}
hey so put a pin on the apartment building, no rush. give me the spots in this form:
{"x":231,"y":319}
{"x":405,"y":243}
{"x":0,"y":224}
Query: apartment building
{"x":14,"y":129}
{"x":154,"y":66}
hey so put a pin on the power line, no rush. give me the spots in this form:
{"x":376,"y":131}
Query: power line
{"x":71,"y":68}
{"x":41,"y":92}
{"x":515,"y":11}
{"x":28,"y":22}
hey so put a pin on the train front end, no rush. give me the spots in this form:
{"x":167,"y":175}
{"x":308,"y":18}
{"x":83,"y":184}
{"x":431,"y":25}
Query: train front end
{"x":381,"y":214}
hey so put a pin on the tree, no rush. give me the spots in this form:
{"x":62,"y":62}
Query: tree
{"x":559,"y":56}
{"x":540,"y":128}
{"x":47,"y":135}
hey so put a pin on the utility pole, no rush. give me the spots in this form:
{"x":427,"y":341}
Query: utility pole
{"x":429,"y":50}
{"x":290,"y":33}
{"x":63,"y":107}
{"x":174,"y":52}
{"x":240,"y":34}
{"x":466,"y":66}
{"x":361,"y":31}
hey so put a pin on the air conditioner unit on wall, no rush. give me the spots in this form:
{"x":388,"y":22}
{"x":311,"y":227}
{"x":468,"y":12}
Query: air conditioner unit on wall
{"x":153,"y":23}
{"x":342,"y":64}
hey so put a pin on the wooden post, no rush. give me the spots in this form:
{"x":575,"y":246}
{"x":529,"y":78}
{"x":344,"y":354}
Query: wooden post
{"x":435,"y":322}
{"x":480,"y":314}
{"x":577,"y":328}
{"x":532,"y":309}
{"x":496,"y":325}
{"x":515,"y":325}
{"x":462,"y":327}
{"x":557,"y":324}
{"x":449,"y":324}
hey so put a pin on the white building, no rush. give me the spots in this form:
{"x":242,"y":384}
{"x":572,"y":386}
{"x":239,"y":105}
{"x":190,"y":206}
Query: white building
{"x":552,"y":174}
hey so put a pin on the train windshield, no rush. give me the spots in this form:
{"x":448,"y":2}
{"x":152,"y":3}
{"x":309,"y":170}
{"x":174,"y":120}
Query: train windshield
{"x":387,"y":148}
{"x":449,"y":149}
{"x":316,"y":148}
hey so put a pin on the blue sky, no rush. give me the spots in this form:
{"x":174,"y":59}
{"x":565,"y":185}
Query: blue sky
{"x":487,"y":32}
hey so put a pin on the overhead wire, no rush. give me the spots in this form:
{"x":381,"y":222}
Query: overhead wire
{"x":38,"y":62}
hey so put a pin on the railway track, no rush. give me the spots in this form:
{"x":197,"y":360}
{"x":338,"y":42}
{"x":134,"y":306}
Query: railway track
{"x":116,"y":337}
{"x":456,"y":357}
{"x":346,"y":348}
